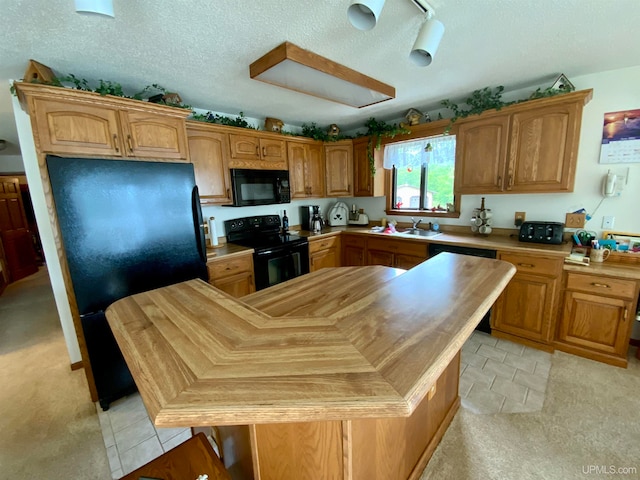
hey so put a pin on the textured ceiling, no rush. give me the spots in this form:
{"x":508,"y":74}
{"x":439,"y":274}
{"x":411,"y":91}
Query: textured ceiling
{"x":203,"y":49}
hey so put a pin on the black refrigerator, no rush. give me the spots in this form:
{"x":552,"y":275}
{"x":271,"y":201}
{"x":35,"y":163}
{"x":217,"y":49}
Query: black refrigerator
{"x":127,"y":227}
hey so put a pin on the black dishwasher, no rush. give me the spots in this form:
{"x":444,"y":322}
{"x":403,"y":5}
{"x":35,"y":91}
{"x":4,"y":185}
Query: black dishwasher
{"x":436,"y":248}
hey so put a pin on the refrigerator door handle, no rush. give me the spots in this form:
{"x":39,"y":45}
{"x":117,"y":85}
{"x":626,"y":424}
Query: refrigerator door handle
{"x":198,"y":223}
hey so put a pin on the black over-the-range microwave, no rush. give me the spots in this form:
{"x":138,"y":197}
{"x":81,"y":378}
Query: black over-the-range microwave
{"x":259,"y":187}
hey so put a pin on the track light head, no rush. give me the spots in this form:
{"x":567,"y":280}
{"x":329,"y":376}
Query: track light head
{"x":427,"y":43}
{"x":364,"y":14}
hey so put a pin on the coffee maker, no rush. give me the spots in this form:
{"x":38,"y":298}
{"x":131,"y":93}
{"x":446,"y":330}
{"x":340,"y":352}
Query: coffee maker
{"x":311,"y":218}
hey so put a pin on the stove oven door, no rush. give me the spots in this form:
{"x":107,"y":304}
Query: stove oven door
{"x":279,"y":264}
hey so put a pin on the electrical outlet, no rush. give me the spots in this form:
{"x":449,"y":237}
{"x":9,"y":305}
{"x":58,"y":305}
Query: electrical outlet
{"x":519,"y":218}
{"x":575,"y":220}
{"x":607,"y":222}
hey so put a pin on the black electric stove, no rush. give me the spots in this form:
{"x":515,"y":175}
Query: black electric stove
{"x":277,"y":257}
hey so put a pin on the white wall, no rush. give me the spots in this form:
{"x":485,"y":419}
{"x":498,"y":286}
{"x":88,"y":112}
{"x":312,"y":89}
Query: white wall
{"x":612,"y":91}
{"x":11,"y":164}
{"x":36,"y":190}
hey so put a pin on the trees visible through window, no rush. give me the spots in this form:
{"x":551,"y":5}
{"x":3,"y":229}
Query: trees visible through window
{"x":423,"y":173}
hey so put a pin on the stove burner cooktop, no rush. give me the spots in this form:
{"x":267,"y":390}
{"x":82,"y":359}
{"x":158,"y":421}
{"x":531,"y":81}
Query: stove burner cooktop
{"x":260,"y":232}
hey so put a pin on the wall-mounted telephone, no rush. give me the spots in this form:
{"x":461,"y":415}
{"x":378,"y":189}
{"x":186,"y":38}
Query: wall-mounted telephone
{"x":610,"y":185}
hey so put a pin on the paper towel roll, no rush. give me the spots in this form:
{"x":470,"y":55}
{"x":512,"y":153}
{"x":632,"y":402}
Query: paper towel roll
{"x":213,"y":233}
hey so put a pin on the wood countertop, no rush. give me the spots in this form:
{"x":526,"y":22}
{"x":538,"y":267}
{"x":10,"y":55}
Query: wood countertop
{"x":340,"y":343}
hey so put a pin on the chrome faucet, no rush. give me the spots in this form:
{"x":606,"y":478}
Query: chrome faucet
{"x":415,"y":224}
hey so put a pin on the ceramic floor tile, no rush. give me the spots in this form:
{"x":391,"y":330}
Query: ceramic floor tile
{"x":473,"y":359}
{"x":543,"y":369}
{"x":530,"y":380}
{"x":134,"y":434}
{"x":492,"y":352}
{"x":500,"y":369}
{"x":479,"y":376}
{"x":508,"y":346}
{"x":464,"y":386}
{"x":535,"y":400}
{"x":462,"y":367}
{"x":126,"y":412}
{"x":140,"y":454}
{"x":177,"y":440}
{"x":166,"y":434}
{"x":116,"y":475}
{"x":526,"y":364}
{"x":471,"y":345}
{"x":484,"y":338}
{"x":537,"y":355}
{"x":511,"y":406}
{"x":114,"y":459}
{"x":480,"y":400}
{"x":105,"y":426}
{"x":509,"y":389}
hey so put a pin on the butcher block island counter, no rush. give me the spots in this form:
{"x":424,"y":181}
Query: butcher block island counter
{"x":346,"y":373}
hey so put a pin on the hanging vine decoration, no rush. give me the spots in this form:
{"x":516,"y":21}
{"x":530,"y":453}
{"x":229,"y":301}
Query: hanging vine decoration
{"x":377,"y":130}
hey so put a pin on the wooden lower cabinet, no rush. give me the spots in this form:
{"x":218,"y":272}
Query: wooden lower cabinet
{"x":324,"y":252}
{"x":233,"y":274}
{"x":527,"y":307}
{"x":395,"y":253}
{"x":597,"y":317}
{"x":353,"y":250}
{"x":363,"y":449}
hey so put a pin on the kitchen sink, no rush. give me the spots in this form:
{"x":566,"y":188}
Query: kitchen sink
{"x":418,"y":232}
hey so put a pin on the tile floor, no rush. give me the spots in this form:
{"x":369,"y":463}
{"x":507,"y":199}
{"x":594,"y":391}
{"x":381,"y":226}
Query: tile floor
{"x":496,"y":376}
{"x":130,"y":437}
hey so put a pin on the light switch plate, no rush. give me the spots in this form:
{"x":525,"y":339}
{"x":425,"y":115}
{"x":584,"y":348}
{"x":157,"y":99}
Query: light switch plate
{"x":608,"y":221}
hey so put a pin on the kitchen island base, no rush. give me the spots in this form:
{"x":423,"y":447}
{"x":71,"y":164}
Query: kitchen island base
{"x":371,"y":449}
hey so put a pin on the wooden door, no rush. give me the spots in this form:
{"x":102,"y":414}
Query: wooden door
{"x":237,"y":285}
{"x":149,"y":135}
{"x":17,"y":240}
{"x":596,"y":323}
{"x":75,"y":128}
{"x":543,"y":150}
{"x":481,"y":155}
{"x":407,"y":262}
{"x":525,"y":308}
{"x":297,"y":155}
{"x":339,"y":169}
{"x":380,"y":257}
{"x":353,"y":250}
{"x":209,"y":151}
{"x":314,"y":171}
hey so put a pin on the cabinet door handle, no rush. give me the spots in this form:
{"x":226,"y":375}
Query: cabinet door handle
{"x":626,"y":313}
{"x":130,"y":142}
{"x":603,"y":285}
{"x":115,"y":143}
{"x":499,"y":180}
{"x":257,"y":151}
{"x":264,"y":151}
{"x":510,"y":180}
{"x":528,"y":265}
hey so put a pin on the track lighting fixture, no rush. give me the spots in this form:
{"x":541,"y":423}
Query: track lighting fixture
{"x":363,"y":14}
{"x":99,"y":7}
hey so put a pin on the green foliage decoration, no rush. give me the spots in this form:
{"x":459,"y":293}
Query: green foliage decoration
{"x":376,"y":131}
{"x":239,"y":121}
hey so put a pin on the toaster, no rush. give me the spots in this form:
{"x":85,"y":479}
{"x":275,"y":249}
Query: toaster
{"x":541,"y":232}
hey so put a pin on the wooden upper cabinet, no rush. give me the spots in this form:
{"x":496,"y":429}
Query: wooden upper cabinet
{"x":306,"y":169}
{"x":338,"y":160}
{"x":481,"y":155}
{"x":530,"y":147}
{"x":147,"y":135}
{"x":76,"y":128}
{"x":365,"y":183}
{"x":72,"y":122}
{"x":209,"y":153}
{"x":543,"y":149}
{"x":252,"y":150}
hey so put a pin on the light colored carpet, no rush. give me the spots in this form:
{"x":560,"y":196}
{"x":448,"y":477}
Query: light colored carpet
{"x":50,"y":429}
{"x":590,"y":420}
